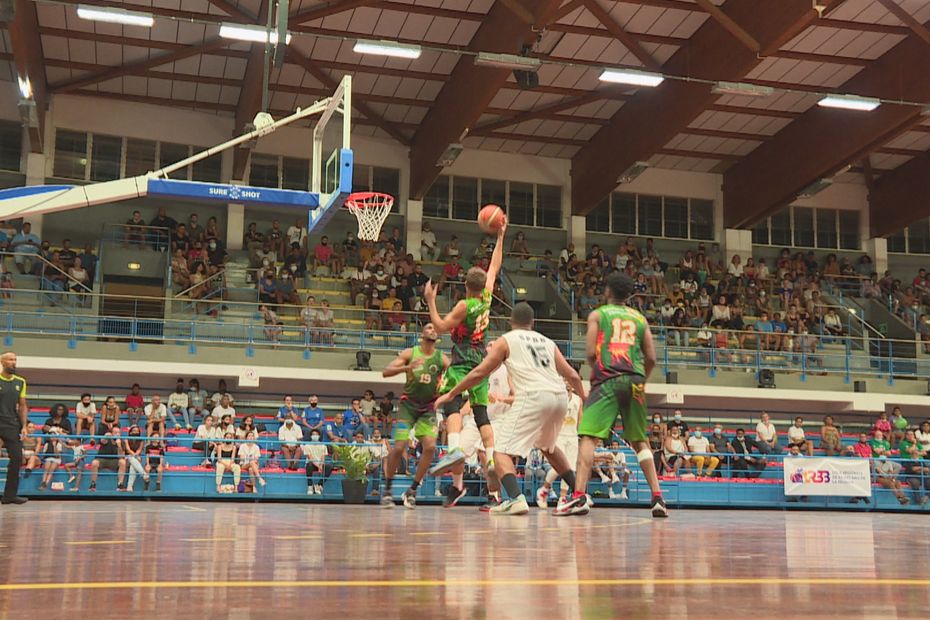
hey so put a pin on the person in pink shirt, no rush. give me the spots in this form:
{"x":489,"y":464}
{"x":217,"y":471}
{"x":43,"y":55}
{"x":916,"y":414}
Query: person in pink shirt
{"x":135,"y":405}
{"x":882,"y":424}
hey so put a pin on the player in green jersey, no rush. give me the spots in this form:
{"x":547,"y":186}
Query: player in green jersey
{"x":468,"y":324}
{"x":424,"y":366}
{"x":621,"y":355}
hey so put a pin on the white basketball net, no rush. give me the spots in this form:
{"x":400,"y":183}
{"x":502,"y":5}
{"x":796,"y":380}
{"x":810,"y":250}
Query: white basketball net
{"x":371,"y":210}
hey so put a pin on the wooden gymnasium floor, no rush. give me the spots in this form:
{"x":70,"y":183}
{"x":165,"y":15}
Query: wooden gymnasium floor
{"x":236,"y":560}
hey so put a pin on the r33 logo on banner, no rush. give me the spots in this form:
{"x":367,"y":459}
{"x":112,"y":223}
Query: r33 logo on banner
{"x":811,"y":476}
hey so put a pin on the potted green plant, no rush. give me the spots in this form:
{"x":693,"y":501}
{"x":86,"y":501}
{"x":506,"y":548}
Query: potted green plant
{"x":354,"y":460}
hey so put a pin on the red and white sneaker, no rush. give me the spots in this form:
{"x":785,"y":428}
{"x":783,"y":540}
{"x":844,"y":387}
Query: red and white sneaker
{"x":575,"y":506}
{"x":542,"y":497}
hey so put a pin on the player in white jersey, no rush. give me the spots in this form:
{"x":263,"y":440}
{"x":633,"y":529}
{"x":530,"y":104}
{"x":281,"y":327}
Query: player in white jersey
{"x":500,"y":396}
{"x":537,"y":369}
{"x":568,"y":444}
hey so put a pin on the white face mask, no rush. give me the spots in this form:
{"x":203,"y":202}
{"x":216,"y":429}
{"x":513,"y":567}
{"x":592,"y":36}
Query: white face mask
{"x":314,"y":437}
{"x":718,"y":431}
{"x":697,"y":434}
{"x":678,"y":417}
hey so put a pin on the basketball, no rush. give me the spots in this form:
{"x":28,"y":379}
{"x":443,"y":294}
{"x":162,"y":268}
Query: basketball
{"x":491,"y":218}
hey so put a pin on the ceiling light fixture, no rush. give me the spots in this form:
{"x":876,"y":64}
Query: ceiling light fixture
{"x":387,"y":48}
{"x":115,"y":16}
{"x":850,"y":102}
{"x":25,"y":87}
{"x":742,"y":90}
{"x":507,"y":61}
{"x":254,"y":34}
{"x":628,"y":76}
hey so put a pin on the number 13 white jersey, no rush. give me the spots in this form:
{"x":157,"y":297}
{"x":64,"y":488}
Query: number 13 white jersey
{"x":531,"y":363}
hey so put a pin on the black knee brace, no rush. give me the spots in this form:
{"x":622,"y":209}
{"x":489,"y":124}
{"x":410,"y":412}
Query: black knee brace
{"x":481,"y":415}
{"x":453,"y":406}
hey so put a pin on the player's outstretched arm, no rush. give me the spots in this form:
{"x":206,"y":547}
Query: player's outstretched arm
{"x":568,"y":373}
{"x":649,"y":351}
{"x":495,"y":358}
{"x":497,"y":258}
{"x":590,"y":342}
{"x":446,"y":324}
{"x":401,"y":364}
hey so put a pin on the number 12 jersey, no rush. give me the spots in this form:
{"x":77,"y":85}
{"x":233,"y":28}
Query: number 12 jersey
{"x":620,"y":334}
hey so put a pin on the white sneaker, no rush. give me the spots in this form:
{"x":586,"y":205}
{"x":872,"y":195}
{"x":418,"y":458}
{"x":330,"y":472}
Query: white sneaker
{"x":542,"y":497}
{"x":611,"y":494}
{"x":623,"y":495}
{"x":516,"y":506}
{"x":605,"y":479}
{"x":309,"y":489}
{"x":614,"y":479}
{"x":589,"y":501}
{"x":319,"y":489}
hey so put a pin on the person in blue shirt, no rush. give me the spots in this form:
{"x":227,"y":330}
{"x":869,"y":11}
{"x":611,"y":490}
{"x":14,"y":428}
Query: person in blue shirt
{"x":766,"y":331}
{"x":313,"y":416}
{"x":25,"y":243}
{"x":336,"y":430}
{"x":288,"y":410}
{"x":355,"y":420}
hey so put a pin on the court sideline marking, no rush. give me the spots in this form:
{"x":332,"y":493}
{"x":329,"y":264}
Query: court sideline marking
{"x":432,"y":583}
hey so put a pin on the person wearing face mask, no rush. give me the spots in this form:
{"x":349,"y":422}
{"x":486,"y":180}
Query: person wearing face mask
{"x":657,"y":420}
{"x":132,"y":448}
{"x":249,"y":457}
{"x":317,"y":469}
{"x":225,"y":453}
{"x":216,"y":256}
{"x":312,"y":417}
{"x":745,"y":463}
{"x":699,"y":447}
{"x":675,"y":455}
{"x":680,"y":424}
{"x":178,"y":403}
{"x":719,"y":446}
{"x":296,"y":263}
{"x":287,"y":294}
{"x":289,"y":435}
{"x":886,"y":476}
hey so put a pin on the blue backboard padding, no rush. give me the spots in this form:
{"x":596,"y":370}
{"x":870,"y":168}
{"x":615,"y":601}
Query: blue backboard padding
{"x":222,"y":192}
{"x":19,"y":192}
{"x":317,"y":220}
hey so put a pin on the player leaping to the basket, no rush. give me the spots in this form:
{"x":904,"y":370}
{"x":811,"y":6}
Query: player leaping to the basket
{"x":468,"y":324}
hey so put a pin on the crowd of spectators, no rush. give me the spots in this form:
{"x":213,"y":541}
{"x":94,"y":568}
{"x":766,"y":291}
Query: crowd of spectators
{"x":60,"y":269}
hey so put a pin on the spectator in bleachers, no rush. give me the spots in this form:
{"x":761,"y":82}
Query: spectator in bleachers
{"x":109,"y":415}
{"x":196,"y":400}
{"x":297,"y":233}
{"x":862,"y":448}
{"x":135,"y":229}
{"x":886,"y":476}
{"x":428,"y":248}
{"x":204,"y":439}
{"x":406,"y":294}
{"x":796,"y":437}
{"x":316,"y":468}
{"x":225,"y":453}
{"x":675,"y":455}
{"x":323,"y":257}
{"x":395,"y":319}
{"x":699,"y":447}
{"x":245,"y":427}
{"x":766,"y":331}
{"x":156,"y":415}
{"x":451,"y":249}
{"x":178,"y":404}
{"x":720,"y":311}
{"x":519,"y":248}
{"x":224,"y":408}
{"x":290,"y":436}
{"x":336,"y":431}
{"x":915,"y":471}
{"x":373,"y":315}
{"x":830,"y":441}
{"x":325,"y":321}
{"x":181,"y":240}
{"x":832,"y":324}
{"x":288,"y":410}
{"x":275,"y":238}
{"x":51,"y":456}
{"x":744,"y":462}
{"x":923,"y":436}
{"x":254,"y":240}
{"x":451,"y":271}
{"x":882,"y":424}
{"x":295,"y":264}
{"x":80,"y":279}
{"x":588,"y":302}
{"x":58,"y":419}
{"x":879,"y":444}
{"x":249,"y":459}
{"x":268,"y":288}
{"x":132,"y":449}
{"x":355,"y":421}
{"x":718,"y":444}
{"x":350,"y":250}
{"x":162,"y":220}
{"x":194,"y":229}
{"x":657,"y":445}
{"x":86,"y":414}
{"x":678,"y":332}
{"x":309,"y":313}
{"x":154,"y":460}
{"x":272,"y":323}
{"x":216,"y":256}
{"x":32,"y":447}
{"x":212,"y":232}
{"x":73,"y":457}
{"x":898,"y":426}
{"x":312,"y":417}
{"x":361,"y":284}
{"x":109,"y":458}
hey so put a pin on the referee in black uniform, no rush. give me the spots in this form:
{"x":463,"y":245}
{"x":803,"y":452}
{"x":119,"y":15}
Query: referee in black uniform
{"x":13,"y":418}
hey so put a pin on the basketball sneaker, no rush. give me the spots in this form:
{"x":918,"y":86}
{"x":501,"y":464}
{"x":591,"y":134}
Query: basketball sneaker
{"x":452,"y":496}
{"x":659,"y":509}
{"x":410,"y":499}
{"x":516,"y":506}
{"x":575,"y":506}
{"x":386,"y":500}
{"x":542,"y":497}
{"x":493,"y":501}
{"x":447,"y":462}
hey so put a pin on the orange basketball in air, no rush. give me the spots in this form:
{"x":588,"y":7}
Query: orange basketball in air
{"x":491,"y":218}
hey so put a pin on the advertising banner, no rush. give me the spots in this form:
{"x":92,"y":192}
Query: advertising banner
{"x":848,"y":477}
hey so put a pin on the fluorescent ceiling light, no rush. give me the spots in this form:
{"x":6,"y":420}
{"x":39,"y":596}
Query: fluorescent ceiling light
{"x":849,"y":102}
{"x":25,"y":87}
{"x":741,"y":89}
{"x":254,"y":34}
{"x":387,"y":48}
{"x":628,"y":76}
{"x":115,"y":16}
{"x":507,"y":61}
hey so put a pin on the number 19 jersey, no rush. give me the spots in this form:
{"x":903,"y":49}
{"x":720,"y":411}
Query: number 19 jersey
{"x":620,"y":335}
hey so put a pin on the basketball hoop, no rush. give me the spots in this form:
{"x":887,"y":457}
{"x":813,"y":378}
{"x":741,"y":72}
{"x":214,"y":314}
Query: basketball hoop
{"x":370,"y":209}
